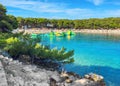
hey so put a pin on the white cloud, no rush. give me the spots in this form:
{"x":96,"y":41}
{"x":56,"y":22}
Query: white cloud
{"x":96,"y":2}
{"x":38,"y":6}
{"x":58,"y":10}
{"x":33,"y":5}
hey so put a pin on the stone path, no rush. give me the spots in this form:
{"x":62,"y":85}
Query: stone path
{"x":3,"y":81}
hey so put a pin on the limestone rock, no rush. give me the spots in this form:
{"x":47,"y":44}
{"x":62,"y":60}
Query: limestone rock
{"x":82,"y":81}
{"x":68,"y":81}
{"x":3,"y":81}
{"x":94,"y":77}
{"x":19,"y":74}
{"x":63,"y":74}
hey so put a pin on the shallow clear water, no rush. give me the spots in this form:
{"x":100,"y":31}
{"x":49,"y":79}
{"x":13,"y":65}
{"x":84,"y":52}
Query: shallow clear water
{"x":93,"y":53}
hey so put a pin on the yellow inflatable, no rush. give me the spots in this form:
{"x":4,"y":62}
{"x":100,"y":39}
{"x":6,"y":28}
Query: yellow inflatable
{"x":58,"y":34}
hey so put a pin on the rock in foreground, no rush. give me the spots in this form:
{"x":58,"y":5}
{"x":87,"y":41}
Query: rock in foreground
{"x":19,"y":74}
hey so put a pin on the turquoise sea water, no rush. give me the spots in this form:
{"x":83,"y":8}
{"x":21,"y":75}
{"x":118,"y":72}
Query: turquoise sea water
{"x":93,"y":53}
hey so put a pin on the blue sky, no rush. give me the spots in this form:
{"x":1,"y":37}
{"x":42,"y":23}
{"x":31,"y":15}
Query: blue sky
{"x":65,"y":9}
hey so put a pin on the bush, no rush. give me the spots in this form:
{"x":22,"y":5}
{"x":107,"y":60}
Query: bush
{"x":55,"y":55}
{"x":18,"y":45}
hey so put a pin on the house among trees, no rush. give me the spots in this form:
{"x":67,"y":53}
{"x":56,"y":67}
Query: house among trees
{"x":50,"y":25}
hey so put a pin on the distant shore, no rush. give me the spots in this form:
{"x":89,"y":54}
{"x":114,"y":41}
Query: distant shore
{"x":114,"y":32}
{"x":97,"y":31}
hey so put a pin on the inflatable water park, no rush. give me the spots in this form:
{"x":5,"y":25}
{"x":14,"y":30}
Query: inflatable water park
{"x":56,"y":34}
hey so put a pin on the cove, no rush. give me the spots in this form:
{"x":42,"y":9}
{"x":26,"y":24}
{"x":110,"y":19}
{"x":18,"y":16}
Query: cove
{"x":97,"y":53}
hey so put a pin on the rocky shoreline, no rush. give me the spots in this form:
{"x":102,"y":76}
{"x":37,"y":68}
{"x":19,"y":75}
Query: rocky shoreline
{"x":19,"y":74}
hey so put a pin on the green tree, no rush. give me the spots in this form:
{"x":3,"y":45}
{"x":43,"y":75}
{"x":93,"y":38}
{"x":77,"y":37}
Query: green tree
{"x":12,"y":20}
{"x":20,"y":21}
{"x":92,"y":23}
{"x":2,"y":12}
{"x":7,"y":22}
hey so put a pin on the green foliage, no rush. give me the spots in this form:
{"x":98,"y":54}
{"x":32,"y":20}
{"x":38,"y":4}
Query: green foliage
{"x":2,"y":43}
{"x":55,"y":54}
{"x":12,"y":20}
{"x":20,"y":21}
{"x":7,"y":22}
{"x":21,"y":47}
{"x":12,"y":40}
{"x":5,"y":26}
{"x":3,"y":37}
{"x":2,"y":12}
{"x":17,"y":45}
{"x":93,"y":23}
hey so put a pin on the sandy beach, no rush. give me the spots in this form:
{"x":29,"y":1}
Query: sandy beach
{"x":44,"y":30}
{"x":115,"y":32}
